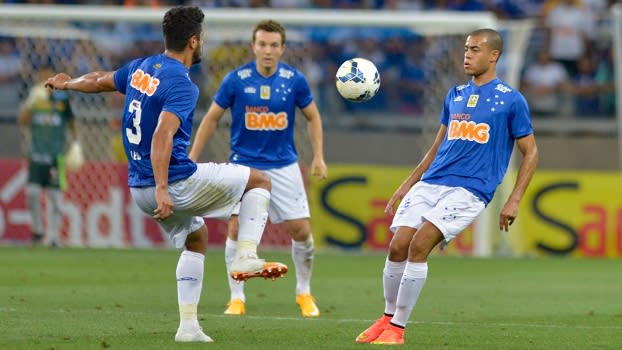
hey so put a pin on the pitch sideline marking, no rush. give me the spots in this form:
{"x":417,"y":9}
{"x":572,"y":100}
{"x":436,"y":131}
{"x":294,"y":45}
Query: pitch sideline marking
{"x":353,"y":320}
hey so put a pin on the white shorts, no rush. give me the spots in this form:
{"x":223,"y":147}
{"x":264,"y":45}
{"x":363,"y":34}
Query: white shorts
{"x":450,"y":209}
{"x":212,"y":191}
{"x":288,"y":198}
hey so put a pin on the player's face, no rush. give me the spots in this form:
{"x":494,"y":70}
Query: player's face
{"x":268,"y":49}
{"x":477,"y":56}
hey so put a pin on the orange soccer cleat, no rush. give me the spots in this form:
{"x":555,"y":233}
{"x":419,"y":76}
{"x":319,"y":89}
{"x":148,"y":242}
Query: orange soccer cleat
{"x":247,"y":267}
{"x":371,"y":333}
{"x":392,"y":335}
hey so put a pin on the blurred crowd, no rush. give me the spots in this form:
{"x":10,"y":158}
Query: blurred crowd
{"x":567,"y":72}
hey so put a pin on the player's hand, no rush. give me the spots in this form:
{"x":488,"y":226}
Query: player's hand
{"x":319,"y":169}
{"x":58,"y":82}
{"x":397,"y":197}
{"x":164,"y":203}
{"x":508,"y":215}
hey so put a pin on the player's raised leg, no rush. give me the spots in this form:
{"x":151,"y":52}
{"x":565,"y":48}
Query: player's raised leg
{"x":252,"y":220}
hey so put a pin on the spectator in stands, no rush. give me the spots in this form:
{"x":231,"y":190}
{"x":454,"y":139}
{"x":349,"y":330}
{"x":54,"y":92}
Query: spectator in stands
{"x":413,"y":83}
{"x":585,"y":88}
{"x":605,"y":78}
{"x":10,"y":69}
{"x":461,"y":5}
{"x":543,"y":84}
{"x":571,"y":28}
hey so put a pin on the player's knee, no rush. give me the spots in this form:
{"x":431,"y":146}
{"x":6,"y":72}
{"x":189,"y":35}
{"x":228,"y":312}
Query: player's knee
{"x":299,"y":230}
{"x":259,"y":179}
{"x":232,"y":228}
{"x":419,"y":250}
{"x":398,"y":250}
{"x":197,"y":240}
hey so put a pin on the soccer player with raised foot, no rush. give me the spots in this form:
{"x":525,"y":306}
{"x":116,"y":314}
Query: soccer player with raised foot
{"x":164,"y":182}
{"x":263,"y":96}
{"x":481,"y":121}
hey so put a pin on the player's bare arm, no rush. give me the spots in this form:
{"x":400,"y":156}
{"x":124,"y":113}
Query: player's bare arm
{"x":527,"y":146}
{"x":92,"y":82}
{"x":316,"y":134}
{"x":206,"y":130}
{"x":161,"y":149}
{"x":417,"y":173}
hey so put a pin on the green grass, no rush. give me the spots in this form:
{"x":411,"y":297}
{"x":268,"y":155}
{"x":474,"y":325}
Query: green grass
{"x":126,"y":299}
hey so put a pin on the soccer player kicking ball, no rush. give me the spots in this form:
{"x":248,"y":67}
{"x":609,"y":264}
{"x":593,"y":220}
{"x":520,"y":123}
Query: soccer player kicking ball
{"x":480,"y":123}
{"x":263,"y":96}
{"x":159,"y":105}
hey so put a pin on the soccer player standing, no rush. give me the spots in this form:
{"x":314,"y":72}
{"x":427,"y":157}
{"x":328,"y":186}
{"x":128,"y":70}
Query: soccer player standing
{"x":159,"y":106}
{"x":263,"y":96}
{"x":49,"y":117}
{"x":480,"y":123}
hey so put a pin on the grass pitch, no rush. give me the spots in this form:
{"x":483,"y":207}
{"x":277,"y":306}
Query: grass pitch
{"x":126,"y":299}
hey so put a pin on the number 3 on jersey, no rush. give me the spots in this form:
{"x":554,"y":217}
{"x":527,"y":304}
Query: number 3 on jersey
{"x":134,"y":136}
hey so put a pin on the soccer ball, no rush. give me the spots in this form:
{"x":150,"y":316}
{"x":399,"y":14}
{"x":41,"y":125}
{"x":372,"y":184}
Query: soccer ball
{"x":358,"y":80}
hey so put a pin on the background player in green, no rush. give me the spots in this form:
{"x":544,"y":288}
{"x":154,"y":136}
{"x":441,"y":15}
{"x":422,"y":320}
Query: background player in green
{"x":48,"y":115}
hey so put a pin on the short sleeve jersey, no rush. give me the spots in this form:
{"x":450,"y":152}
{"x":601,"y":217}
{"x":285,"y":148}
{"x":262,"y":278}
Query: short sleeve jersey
{"x":48,"y":125}
{"x":263,"y":113}
{"x":482,"y":124}
{"x":152,"y":85}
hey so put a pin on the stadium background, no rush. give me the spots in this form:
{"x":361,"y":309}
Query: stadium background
{"x":572,"y":207}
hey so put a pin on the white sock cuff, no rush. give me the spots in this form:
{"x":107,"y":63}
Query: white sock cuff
{"x":304,"y":244}
{"x":229,"y":243}
{"x":194,"y":255}
{"x":260,"y":192}
{"x":416,"y":270}
{"x":394,"y":267}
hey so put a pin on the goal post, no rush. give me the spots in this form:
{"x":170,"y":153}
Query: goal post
{"x":75,"y":38}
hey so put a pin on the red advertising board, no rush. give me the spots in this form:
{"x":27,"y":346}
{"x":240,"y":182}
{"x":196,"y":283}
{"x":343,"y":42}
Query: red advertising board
{"x":98,"y":211}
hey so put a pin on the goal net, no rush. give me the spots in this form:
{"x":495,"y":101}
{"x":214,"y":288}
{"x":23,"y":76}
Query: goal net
{"x":417,"y":53}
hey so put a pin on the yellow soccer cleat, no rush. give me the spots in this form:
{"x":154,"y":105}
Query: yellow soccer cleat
{"x":374,"y":331}
{"x":307,"y":305}
{"x":235,"y":307}
{"x":392,"y":335}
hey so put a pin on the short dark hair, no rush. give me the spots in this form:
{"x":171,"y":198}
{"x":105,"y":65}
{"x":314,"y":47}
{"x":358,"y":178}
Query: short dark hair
{"x":493,"y":38}
{"x":180,"y":23}
{"x":270,"y":26}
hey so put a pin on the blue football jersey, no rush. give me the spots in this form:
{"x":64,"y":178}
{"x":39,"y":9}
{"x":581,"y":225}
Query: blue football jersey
{"x":482,"y":124}
{"x":152,"y":85}
{"x":263,"y":111}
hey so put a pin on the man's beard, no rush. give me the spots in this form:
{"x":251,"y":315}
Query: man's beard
{"x":196,"y":56}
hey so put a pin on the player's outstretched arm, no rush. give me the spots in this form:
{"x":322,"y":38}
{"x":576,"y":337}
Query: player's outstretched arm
{"x":417,"y":173}
{"x":92,"y":82}
{"x":529,"y":149}
{"x":206,"y":130}
{"x":316,"y":134}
